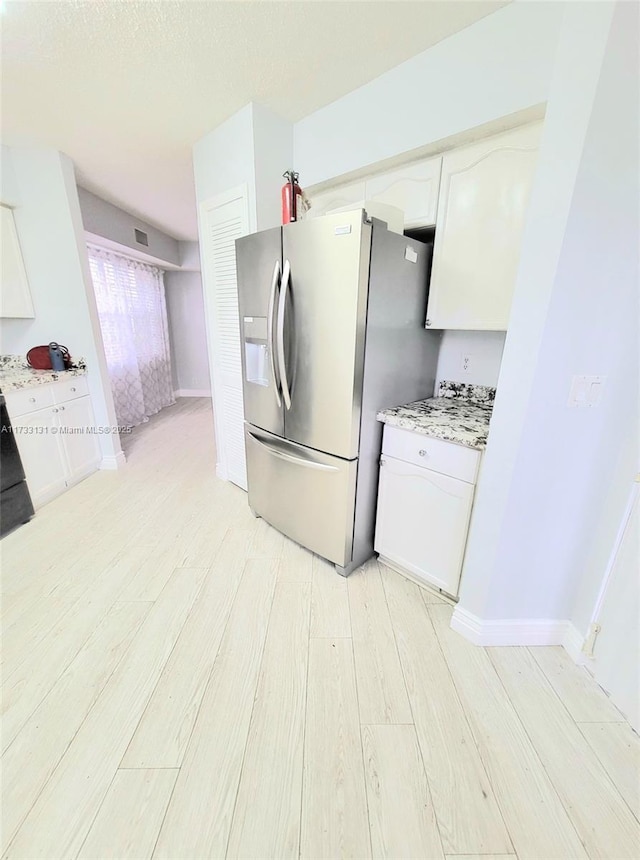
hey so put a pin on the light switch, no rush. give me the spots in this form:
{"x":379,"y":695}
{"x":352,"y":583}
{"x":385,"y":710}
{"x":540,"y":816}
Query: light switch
{"x":594,"y":392}
{"x":586,"y":390}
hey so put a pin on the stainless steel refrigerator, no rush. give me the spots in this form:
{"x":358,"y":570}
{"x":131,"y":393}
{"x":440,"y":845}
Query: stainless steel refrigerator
{"x":332,"y":314}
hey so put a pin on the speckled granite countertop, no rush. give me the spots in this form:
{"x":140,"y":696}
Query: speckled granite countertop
{"x":460,"y":413}
{"x":15,"y":373}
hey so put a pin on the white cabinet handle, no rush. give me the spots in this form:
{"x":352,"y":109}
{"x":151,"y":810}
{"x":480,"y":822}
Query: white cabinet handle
{"x":422,"y":452}
{"x":32,"y":400}
{"x":62,"y":409}
{"x":54,"y":409}
{"x":73,"y":389}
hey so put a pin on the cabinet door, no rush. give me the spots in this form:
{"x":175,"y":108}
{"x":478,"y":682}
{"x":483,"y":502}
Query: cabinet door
{"x":15,"y":296}
{"x":422,"y":522}
{"x":484,"y":195}
{"x":414,"y":189}
{"x":335,"y":198}
{"x":81,"y":448}
{"x":40,"y":446}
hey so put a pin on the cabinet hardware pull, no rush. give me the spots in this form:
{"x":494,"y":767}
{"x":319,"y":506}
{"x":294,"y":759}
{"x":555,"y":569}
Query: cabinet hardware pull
{"x":428,"y":322}
{"x":62,"y":409}
{"x":73,"y":389}
{"x":32,"y":400}
{"x":422,"y":452}
{"x":55,"y":410}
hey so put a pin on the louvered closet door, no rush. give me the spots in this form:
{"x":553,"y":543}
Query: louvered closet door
{"x":223,"y":220}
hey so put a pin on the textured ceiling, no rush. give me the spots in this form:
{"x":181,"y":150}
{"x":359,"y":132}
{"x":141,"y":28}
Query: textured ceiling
{"x":126,"y":88}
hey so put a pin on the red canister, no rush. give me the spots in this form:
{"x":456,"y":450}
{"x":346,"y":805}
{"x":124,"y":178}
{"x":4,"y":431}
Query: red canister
{"x":292,"y":203}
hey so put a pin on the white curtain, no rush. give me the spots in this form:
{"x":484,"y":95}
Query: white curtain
{"x":133,"y":318}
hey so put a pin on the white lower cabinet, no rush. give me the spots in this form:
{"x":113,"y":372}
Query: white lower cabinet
{"x":41,"y":453}
{"x":423,"y":518}
{"x":81,"y":449}
{"x":55,"y":446}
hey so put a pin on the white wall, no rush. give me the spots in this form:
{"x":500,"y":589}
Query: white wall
{"x":110,"y":222}
{"x":185,"y":312}
{"x":484,"y":349}
{"x":499,"y":66}
{"x":9,"y":191}
{"x":555,"y":480}
{"x":189,"y":256}
{"x":608,"y":192}
{"x":224,"y":159}
{"x":273,"y":154}
{"x":41,"y":185}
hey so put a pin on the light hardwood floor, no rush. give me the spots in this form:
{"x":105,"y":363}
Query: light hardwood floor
{"x":180,"y":681}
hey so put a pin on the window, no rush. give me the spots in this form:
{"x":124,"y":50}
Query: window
{"x":133,"y":319}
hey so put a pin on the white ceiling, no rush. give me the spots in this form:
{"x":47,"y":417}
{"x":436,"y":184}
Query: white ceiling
{"x":126,"y":88}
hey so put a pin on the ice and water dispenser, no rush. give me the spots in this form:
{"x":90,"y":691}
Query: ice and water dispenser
{"x":256,"y":350}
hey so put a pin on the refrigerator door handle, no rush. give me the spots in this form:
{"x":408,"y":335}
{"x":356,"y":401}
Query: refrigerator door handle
{"x":309,"y":462}
{"x":282,"y":303}
{"x":270,"y":333}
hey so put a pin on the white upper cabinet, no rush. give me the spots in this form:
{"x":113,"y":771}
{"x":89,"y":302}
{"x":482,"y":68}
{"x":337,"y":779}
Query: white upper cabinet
{"x":484,"y":195}
{"x":15,"y":296}
{"x":413,"y":188}
{"x":335,"y":198}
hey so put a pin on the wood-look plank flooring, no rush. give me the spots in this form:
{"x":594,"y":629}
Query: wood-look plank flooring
{"x":180,"y":681}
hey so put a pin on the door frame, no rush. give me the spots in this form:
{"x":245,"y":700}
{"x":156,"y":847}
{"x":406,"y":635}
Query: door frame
{"x":241,"y":193}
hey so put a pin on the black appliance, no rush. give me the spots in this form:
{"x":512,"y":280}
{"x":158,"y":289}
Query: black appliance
{"x":15,"y":502}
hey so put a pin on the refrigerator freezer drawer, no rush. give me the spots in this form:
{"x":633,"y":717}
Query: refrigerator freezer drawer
{"x":308,"y":496}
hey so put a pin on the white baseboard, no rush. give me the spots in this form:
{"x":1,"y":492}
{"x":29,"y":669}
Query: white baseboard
{"x":192,"y":392}
{"x":529,"y":631}
{"x":572,"y":642}
{"x":117,"y":461}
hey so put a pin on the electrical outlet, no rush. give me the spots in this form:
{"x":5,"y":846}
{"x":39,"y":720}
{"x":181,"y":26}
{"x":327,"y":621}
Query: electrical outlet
{"x":586,"y":390}
{"x":466,"y":363}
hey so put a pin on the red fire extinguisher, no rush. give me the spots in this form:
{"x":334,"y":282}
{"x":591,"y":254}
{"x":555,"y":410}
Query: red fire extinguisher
{"x":293,"y":206}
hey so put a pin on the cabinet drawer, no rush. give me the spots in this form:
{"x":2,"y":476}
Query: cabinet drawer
{"x":70,"y":389}
{"x":435,"y":454}
{"x":29,"y":399}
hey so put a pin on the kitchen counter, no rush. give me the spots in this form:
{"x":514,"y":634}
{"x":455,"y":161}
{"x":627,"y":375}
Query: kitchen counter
{"x":16,"y":374}
{"x":460,"y":413}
